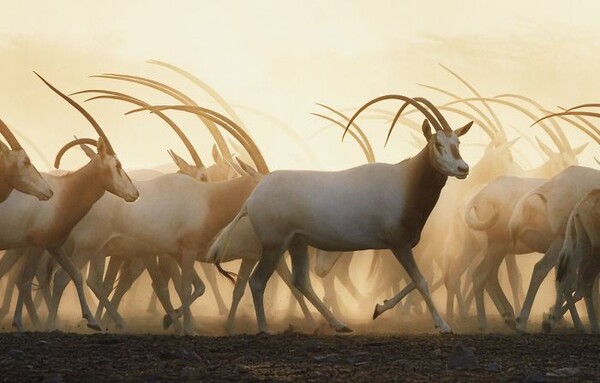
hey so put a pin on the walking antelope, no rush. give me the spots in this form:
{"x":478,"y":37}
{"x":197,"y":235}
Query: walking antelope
{"x":374,"y":206}
{"x":17,"y":172}
{"x":29,"y":223}
{"x":578,"y":262}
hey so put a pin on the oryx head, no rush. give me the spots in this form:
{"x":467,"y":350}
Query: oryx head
{"x":442,"y":145}
{"x":17,"y":169}
{"x":444,"y":154}
{"x":111,"y":175}
{"x":565,"y":157}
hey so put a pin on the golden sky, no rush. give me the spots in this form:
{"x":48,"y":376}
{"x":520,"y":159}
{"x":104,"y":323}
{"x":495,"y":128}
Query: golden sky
{"x":280,"y":57}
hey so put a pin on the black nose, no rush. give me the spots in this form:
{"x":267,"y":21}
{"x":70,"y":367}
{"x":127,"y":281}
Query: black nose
{"x":463,"y":168}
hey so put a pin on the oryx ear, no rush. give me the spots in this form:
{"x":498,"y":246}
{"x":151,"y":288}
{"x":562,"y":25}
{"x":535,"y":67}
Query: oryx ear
{"x":577,"y":151}
{"x":247,"y":168}
{"x":547,"y":151}
{"x":460,"y":131}
{"x":426,"y":128}
{"x":180,"y":162}
{"x":215,"y":154}
{"x":102,"y":149}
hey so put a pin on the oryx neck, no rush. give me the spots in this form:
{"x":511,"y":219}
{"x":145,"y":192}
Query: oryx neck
{"x":81,"y":189}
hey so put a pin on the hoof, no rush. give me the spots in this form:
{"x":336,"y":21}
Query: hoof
{"x":267,"y":332}
{"x":445,"y":330}
{"x":546,"y":326}
{"x":378,"y":311}
{"x":167,"y":321}
{"x":343,"y":329}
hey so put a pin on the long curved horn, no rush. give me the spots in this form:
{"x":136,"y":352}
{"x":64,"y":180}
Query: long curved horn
{"x":584,"y":121}
{"x":517,"y":107}
{"x":592,"y":105}
{"x":362,"y":134}
{"x":488,"y":127}
{"x":566,"y":144}
{"x":435,"y":111}
{"x":179,"y":96}
{"x":88,"y":117}
{"x":406,"y":100}
{"x":499,"y":127}
{"x":368,"y":154}
{"x":69,"y":145}
{"x":236,"y":131}
{"x":576,"y":113}
{"x":205,"y":87}
{"x":9,"y":136}
{"x":107,"y":94}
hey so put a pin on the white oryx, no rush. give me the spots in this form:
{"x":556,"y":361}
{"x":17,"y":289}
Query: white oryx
{"x":28,"y":222}
{"x":579,"y":262}
{"x":17,"y":171}
{"x":374,"y":206}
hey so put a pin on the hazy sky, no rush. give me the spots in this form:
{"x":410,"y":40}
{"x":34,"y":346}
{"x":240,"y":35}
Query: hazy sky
{"x":280,"y":57}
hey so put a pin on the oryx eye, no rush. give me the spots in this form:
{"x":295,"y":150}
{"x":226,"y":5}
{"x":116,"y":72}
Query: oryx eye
{"x":118,"y":165}
{"x":27,"y":162}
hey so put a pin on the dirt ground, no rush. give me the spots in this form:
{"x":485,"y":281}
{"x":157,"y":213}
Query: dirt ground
{"x":386,"y":350}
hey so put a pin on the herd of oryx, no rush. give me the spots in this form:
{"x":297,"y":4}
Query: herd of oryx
{"x":443,"y":232}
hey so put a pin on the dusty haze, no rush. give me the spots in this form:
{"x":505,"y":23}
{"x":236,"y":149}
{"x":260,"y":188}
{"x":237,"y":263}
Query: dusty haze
{"x":282,"y":57}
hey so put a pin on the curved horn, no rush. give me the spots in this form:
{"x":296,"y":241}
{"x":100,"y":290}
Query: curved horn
{"x":406,"y":100}
{"x":435,"y":111}
{"x":88,"y":117}
{"x":236,"y":131}
{"x":593,"y":105}
{"x":368,"y":155}
{"x":584,"y":121}
{"x":179,"y":96}
{"x":488,"y":127}
{"x":205,"y":87}
{"x":69,"y":145}
{"x":477,"y":94}
{"x":589,"y":114}
{"x":517,"y":107}
{"x":362,"y":134}
{"x":132,"y":100}
{"x":566,"y":145}
{"x":9,"y":136}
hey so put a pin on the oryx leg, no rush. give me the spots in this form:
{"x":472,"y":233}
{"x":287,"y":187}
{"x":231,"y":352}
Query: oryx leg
{"x":301,"y":280}
{"x":453,"y":278}
{"x":343,"y":275}
{"x":391,"y":303}
{"x":406,"y":259}
{"x":486,"y":271}
{"x":211,"y":279}
{"x":96,"y":284}
{"x":162,"y":290}
{"x":258,"y":281}
{"x":515,"y":279}
{"x":199,"y":289}
{"x":44,"y":276}
{"x":131,"y":270}
{"x":30,"y":265}
{"x":114,"y":264}
{"x":540,"y":271}
{"x":8,"y":293}
{"x":188,"y":257}
{"x":238,"y":291}
{"x":65,"y":262}
{"x":286,"y":276}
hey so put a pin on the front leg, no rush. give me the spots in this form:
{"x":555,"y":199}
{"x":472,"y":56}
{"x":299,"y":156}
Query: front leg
{"x":406,"y":259}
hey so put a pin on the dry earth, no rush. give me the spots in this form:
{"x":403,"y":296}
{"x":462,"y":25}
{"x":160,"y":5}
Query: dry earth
{"x":383,"y":351}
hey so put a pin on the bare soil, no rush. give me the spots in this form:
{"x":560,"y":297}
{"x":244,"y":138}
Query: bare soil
{"x":382,"y":351}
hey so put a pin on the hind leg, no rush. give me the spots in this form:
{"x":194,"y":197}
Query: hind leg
{"x":301,"y":279}
{"x":238,"y":291}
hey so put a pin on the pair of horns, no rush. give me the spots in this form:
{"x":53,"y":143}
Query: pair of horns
{"x":437,"y":119}
{"x":87,"y":116}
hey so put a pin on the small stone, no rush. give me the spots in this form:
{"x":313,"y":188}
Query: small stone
{"x":536,"y":377}
{"x":15,"y":354}
{"x":493,"y":367}
{"x":462,"y":358}
{"x":564,"y":372}
{"x":327,"y":358}
{"x":53,"y":378}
